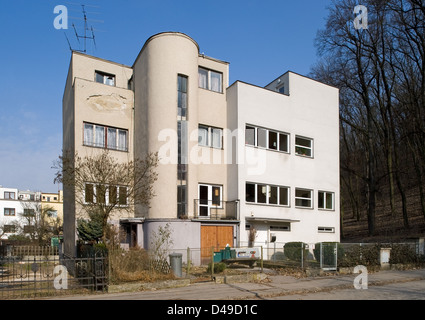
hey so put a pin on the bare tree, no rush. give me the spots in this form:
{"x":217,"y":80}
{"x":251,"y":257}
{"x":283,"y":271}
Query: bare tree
{"x":102,"y":185}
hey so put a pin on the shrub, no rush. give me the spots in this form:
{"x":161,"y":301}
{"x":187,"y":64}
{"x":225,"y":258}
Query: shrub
{"x":367,"y":255}
{"x":402,"y":253}
{"x":294,"y":250}
{"x":218,"y":267}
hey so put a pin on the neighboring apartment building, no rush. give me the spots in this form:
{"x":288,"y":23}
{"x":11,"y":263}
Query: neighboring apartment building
{"x":230,"y":157}
{"x":53,"y":204}
{"x":14,"y":205}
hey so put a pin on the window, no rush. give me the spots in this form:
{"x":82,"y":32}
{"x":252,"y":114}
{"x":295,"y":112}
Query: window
{"x":89,"y":193}
{"x":210,"y":137}
{"x":303,"y":198}
{"x":9,"y":195}
{"x":303,"y":146}
{"x":52,"y":213}
{"x":9,"y":211}
{"x":210,"y":196}
{"x":29,"y":213}
{"x":267,"y":139}
{"x":105,"y":78}
{"x":281,"y":89}
{"x":210,"y":80}
{"x":181,"y":200}
{"x":326,"y":229}
{"x":104,"y":194}
{"x":285,"y":227}
{"x":105,"y":137}
{"x":9,"y":228}
{"x":182,"y":96}
{"x":326,"y":200}
{"x":267,"y":194}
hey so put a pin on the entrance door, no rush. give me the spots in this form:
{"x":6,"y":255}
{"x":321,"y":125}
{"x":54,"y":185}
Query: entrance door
{"x":210,"y":197}
{"x":214,"y":236}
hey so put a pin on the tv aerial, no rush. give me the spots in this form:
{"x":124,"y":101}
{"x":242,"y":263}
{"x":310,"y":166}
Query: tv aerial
{"x":87,"y":34}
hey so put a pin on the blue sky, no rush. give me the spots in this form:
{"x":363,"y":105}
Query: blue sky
{"x":260,"y":39}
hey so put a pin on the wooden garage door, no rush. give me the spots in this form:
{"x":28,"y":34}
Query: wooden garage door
{"x":217,"y":237}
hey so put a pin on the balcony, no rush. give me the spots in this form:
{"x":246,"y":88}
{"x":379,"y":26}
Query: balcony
{"x":216,"y":210}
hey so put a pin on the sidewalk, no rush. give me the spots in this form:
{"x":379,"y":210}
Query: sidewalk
{"x":272,"y":287}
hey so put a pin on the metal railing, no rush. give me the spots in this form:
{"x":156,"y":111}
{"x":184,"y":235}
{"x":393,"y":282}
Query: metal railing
{"x":216,"y":210}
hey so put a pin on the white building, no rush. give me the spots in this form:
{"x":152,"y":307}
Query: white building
{"x":232,"y":157}
{"x":287,"y":172}
{"x":13,"y":204}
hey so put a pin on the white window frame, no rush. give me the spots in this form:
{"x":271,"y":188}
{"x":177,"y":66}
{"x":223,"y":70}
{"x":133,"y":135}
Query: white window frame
{"x":208,"y":85}
{"x":209,"y":204}
{"x":210,"y":137}
{"x":267,"y":138}
{"x":302,"y":147}
{"x":108,"y":78}
{"x":326,"y":194}
{"x":268,"y":194}
{"x":304,"y":198}
{"x":107,"y":194}
{"x":325,"y":229}
{"x":105,"y":143}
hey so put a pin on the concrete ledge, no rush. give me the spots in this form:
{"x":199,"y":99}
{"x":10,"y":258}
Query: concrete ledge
{"x":248,"y":277}
{"x":134,"y":287}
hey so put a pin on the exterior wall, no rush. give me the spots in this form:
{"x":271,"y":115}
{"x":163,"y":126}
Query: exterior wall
{"x":156,"y":69}
{"x":310,"y":110}
{"x":48,"y":201}
{"x":86,"y":100}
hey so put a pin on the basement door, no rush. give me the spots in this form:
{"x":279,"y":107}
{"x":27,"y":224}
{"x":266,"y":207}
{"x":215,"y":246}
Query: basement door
{"x":214,"y":236}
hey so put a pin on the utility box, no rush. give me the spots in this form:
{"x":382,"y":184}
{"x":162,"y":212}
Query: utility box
{"x":385,"y":258}
{"x":176,"y":264}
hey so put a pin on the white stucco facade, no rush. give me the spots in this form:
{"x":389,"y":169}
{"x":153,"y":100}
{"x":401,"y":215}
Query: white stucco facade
{"x":306,"y":109}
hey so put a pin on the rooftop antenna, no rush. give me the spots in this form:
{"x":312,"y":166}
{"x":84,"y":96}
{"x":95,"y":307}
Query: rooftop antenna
{"x":88,"y":33}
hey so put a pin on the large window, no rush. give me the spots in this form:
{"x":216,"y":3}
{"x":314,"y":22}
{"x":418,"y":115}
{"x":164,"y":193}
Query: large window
{"x":304,"y":146}
{"x":303,"y":198}
{"x":210,"y":80}
{"x":210,"y":137}
{"x":267,"y":194}
{"x":105,"y":194}
{"x":326,"y":200}
{"x":96,"y":135}
{"x":266,"y":138}
{"x":105,"y":78}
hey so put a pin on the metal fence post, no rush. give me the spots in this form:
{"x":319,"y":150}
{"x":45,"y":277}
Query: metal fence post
{"x":188,"y":262}
{"x":261,"y":263}
{"x":212,"y":261}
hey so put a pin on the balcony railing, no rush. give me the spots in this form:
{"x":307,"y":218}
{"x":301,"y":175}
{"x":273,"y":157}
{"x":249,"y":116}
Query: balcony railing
{"x":216,"y":210}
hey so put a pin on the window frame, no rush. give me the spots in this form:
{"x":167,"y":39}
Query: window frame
{"x":302,"y":147}
{"x":322,"y":229}
{"x":209,"y":73}
{"x":92,"y":142}
{"x":263,"y":142}
{"x":104,"y":76}
{"x":107,"y":196}
{"x":326,"y":194}
{"x":304,"y":198}
{"x":210,"y":201}
{"x":210,"y":137}
{"x":9,"y":210}
{"x":268,"y":194}
{"x":9,"y":193}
